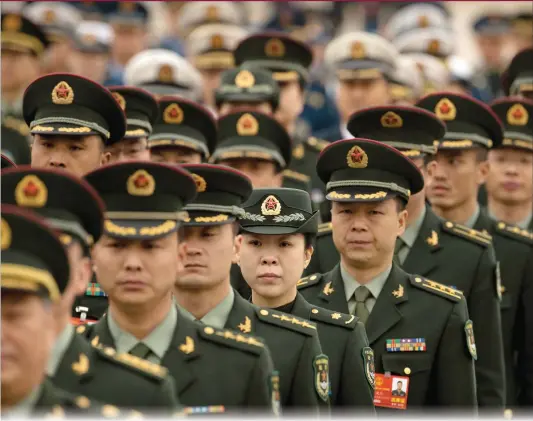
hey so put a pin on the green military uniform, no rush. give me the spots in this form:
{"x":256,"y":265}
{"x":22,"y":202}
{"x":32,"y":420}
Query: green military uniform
{"x":15,"y":144}
{"x":358,"y":170}
{"x":518,"y":77}
{"x":293,"y":342}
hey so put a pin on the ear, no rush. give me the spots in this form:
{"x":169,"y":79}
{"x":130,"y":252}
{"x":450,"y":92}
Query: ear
{"x":105,"y":158}
{"x":237,"y":244}
{"x":402,"y":221}
{"x":308,"y":254}
{"x":83,"y":276}
{"x":431,"y":168}
{"x":277,"y":180}
{"x":482,"y":172}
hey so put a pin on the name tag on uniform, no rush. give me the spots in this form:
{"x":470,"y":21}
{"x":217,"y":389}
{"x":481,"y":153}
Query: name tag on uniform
{"x":406,"y":345}
{"x":391,"y":391}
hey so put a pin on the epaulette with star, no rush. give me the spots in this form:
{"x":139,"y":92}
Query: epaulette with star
{"x":478,"y":237}
{"x":149,"y":369}
{"x":324,"y":229}
{"x":16,"y":124}
{"x":287,"y":321}
{"x":296,"y":176}
{"x":232,"y":339}
{"x":317,"y":144}
{"x":309,"y":280}
{"x":437,"y":288}
{"x":515,"y":232}
{"x":334,"y":318}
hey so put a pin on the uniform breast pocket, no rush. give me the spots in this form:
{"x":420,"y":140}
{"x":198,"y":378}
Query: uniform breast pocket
{"x":407,"y":363}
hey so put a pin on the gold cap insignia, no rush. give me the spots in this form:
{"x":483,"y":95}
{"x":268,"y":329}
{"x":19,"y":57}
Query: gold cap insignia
{"x":12,"y":23}
{"x":433,"y":46}
{"x":271,"y":206}
{"x":5,"y":235}
{"x":188,"y":346}
{"x":166,"y":74}
{"x":31,"y":192}
{"x":398,"y":293}
{"x":517,"y":115}
{"x":49,"y":16}
{"x":247,"y":125}
{"x":89,"y":39}
{"x":120,"y":99}
{"x":391,"y":120}
{"x":357,"y":158}
{"x":62,"y":94}
{"x":274,"y":48}
{"x":423,"y":21}
{"x":328,"y":290}
{"x":211,"y":13}
{"x":217,"y":42}
{"x":244,"y":79}
{"x":201,"y":184}
{"x":358,"y":50}
{"x":140,"y":183}
{"x":173,"y":114}
{"x":445,"y":109}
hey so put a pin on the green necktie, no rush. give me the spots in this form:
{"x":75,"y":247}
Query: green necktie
{"x":361,"y":294}
{"x":397,"y":247}
{"x":140,"y":350}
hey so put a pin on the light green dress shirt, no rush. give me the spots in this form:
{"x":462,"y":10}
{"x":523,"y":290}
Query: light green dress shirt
{"x":472,"y":220}
{"x":59,"y":349}
{"x":218,"y":316}
{"x":524,"y":224}
{"x":410,"y":235}
{"x":375,"y":286}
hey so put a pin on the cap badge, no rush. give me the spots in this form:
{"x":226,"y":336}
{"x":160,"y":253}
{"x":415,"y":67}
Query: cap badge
{"x":166,"y":74}
{"x":517,"y":115}
{"x":357,"y":158}
{"x":12,"y":23}
{"x":217,"y":42}
{"x":244,"y":79}
{"x":391,"y":120}
{"x":201,"y":184}
{"x":274,"y":48}
{"x":433,"y":47}
{"x":173,"y":114}
{"x":270,"y":206}
{"x":120,"y":99}
{"x":445,"y":109}
{"x":141,"y":183}
{"x":89,"y":39}
{"x":62,"y":94}
{"x":423,"y":21}
{"x":49,"y":17}
{"x":358,"y":50}
{"x":212,"y":13}
{"x":5,"y":235}
{"x":31,"y":192}
{"x":247,"y":125}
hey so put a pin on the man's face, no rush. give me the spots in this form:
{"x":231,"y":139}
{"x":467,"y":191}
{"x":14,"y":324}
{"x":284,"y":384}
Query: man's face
{"x":129,"y":150}
{"x":211,"y":81}
{"x":207,"y":254}
{"x":510,"y":177}
{"x":455,"y":178}
{"x":27,"y":338}
{"x":291,"y":103}
{"x":90,"y":65}
{"x":18,"y":69}
{"x":399,"y":385}
{"x":235,"y":107}
{"x":78,"y":155}
{"x":365,"y":233}
{"x":175,"y":155}
{"x":491,"y":47}
{"x":57,"y":55}
{"x":136,"y":272}
{"x":356,"y":94}
{"x":129,"y":40}
{"x":262,"y":173}
{"x":272,"y":264}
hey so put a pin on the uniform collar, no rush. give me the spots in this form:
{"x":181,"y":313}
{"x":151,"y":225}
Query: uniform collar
{"x":473,"y":219}
{"x":375,"y":285}
{"x":59,"y":349}
{"x":218,"y":316}
{"x":24,"y":408}
{"x":412,"y":231}
{"x":524,"y":224}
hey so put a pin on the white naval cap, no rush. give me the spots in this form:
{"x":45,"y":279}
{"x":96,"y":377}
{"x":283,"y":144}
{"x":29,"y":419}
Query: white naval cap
{"x":211,"y":46}
{"x":416,"y":16}
{"x":436,"y":74}
{"x":163,"y":72}
{"x":438,"y":42}
{"x":407,"y":80}
{"x":57,"y":19}
{"x":360,"y":55}
{"x":196,"y":13}
{"x":460,"y":68}
{"x":313,"y":6}
{"x":93,"y":36}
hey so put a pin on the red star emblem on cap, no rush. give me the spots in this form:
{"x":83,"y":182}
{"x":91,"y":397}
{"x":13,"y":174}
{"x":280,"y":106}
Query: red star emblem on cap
{"x":31,"y":189}
{"x":141,"y":181}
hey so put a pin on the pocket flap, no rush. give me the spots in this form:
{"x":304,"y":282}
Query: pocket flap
{"x":407,"y":363}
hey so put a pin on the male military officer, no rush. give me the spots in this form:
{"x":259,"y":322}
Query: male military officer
{"x":399,"y":389}
{"x":461,"y":164}
{"x":518,"y":77}
{"x":407,"y":81}
{"x":203,"y":289}
{"x":510,"y":180}
{"x":136,"y":263}
{"x":141,"y":111}
{"x":370,"y":183}
{"x":273,"y":248}
{"x":185,"y":132}
{"x":71,"y":119}
{"x":73,"y":208}
{"x":35,"y":271}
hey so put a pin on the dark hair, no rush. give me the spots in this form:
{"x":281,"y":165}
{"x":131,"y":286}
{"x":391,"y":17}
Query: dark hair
{"x":309,"y":238}
{"x":482,"y":154}
{"x":401,"y":204}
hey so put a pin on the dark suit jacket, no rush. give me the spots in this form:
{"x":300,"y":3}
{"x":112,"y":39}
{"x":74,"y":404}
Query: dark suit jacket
{"x":409,"y":307}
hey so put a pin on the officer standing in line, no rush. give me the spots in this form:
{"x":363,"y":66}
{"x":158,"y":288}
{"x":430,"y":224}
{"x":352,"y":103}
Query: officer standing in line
{"x":518,"y":77}
{"x":370,"y":184}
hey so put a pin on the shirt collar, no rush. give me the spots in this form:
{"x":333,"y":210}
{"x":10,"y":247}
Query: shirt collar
{"x":24,"y":408}
{"x":524,"y":224}
{"x":473,"y":219}
{"x":411,"y":232}
{"x":218,"y":316}
{"x":59,"y":349}
{"x":375,"y":285}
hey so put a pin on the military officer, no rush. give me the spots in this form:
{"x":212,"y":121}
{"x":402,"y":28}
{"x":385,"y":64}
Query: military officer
{"x":518,"y":77}
{"x":73,"y":208}
{"x":407,"y":82}
{"x":522,"y":30}
{"x":203,"y":289}
{"x":141,"y":111}
{"x":136,"y":263}
{"x":196,"y":14}
{"x":71,"y":119}
{"x":185,"y":132}
{"x":370,"y":183}
{"x":453,"y":189}
{"x":273,"y":248}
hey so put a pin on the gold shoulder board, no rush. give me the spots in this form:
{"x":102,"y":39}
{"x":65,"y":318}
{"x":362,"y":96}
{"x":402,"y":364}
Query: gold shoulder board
{"x":475,"y":236}
{"x":232,"y":339}
{"x":334,"y":318}
{"x":309,"y":280}
{"x":287,"y":321}
{"x":515,"y":232}
{"x":437,"y":288}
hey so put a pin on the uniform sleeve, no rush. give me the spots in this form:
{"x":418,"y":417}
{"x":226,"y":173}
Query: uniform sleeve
{"x":355,"y":387}
{"x":525,"y":350}
{"x":455,"y":378}
{"x":165,"y":397}
{"x":484,"y":310}
{"x":260,"y":385}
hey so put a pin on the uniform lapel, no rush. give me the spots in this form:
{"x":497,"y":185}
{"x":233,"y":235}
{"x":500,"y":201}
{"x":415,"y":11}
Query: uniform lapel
{"x":48,"y":397}
{"x":483,"y":222}
{"x":77,"y":362}
{"x":386,"y":312}
{"x":242,"y":316}
{"x":301,"y":308}
{"x":101,"y":334}
{"x":332,"y":296}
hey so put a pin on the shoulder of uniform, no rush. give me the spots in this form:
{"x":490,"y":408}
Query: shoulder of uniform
{"x":287,"y":321}
{"x":475,"y":236}
{"x":232,"y":339}
{"x":84,"y":330}
{"x":316,"y":144}
{"x":333,"y":318}
{"x":436,"y":288}
{"x":128,"y":361}
{"x":514,"y":232}
{"x":17,"y":125}
{"x":324,"y":229}
{"x":296,"y":175}
{"x":309,"y":280}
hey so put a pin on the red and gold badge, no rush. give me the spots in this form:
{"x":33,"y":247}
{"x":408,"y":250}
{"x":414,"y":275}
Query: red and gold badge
{"x":166,"y":74}
{"x":140,"y":183}
{"x":244,"y":79}
{"x":271,"y":206}
{"x":31,"y":192}
{"x":445,"y":109}
{"x":62,"y":94}
{"x":120,"y":99}
{"x":173,"y":114}
{"x":391,"y":120}
{"x":357,"y":158}
{"x":517,"y":115}
{"x":247,"y":125}
{"x":274,"y":48}
{"x":358,"y":50}
{"x":201,"y":184}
